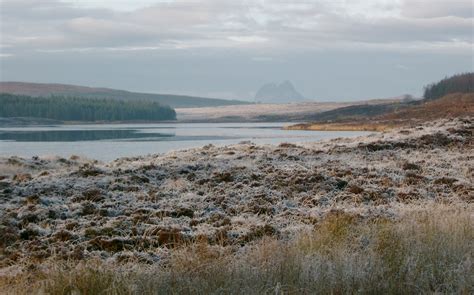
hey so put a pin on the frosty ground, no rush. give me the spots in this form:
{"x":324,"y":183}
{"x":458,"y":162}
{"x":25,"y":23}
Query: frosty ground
{"x":143,"y":209}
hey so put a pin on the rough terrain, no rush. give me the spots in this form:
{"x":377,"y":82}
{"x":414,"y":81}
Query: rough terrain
{"x":141,"y":207}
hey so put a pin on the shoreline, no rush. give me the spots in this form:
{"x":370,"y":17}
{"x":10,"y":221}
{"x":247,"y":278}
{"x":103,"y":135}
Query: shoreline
{"x":64,"y":215}
{"x":109,"y":142}
{"x":240,"y":190}
{"x":342,"y":127}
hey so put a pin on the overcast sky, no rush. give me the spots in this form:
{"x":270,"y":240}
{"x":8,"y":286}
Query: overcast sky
{"x":329,"y":49}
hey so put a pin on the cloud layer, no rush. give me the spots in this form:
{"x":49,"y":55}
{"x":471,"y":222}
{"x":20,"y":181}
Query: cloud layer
{"x":330,"y":49}
{"x":52,"y":25}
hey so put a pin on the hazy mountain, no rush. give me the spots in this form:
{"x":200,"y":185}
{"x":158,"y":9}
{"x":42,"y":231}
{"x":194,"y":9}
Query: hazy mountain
{"x":278,"y":93}
{"x":174,"y":101}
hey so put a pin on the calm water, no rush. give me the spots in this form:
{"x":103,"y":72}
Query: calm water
{"x":111,"y":141}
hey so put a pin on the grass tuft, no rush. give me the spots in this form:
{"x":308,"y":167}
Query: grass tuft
{"x":428,"y":251}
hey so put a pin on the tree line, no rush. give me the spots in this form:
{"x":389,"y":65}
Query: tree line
{"x":463,"y":83}
{"x":82,"y":109}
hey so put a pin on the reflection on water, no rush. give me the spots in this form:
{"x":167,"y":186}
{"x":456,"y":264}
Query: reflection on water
{"x":78,"y":135}
{"x":110,"y":141}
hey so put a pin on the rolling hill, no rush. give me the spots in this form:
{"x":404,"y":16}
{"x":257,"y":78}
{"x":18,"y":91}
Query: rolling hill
{"x":385,"y":117}
{"x":174,"y":101}
{"x":449,"y":98}
{"x":68,"y":108}
{"x":449,"y":106}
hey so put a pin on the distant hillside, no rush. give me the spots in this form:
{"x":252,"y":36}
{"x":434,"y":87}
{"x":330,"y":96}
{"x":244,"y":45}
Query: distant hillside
{"x":461,"y":83}
{"x":82,"y":109}
{"x":451,"y":105}
{"x":174,"y":101}
{"x":449,"y":98}
{"x":278,"y":93}
{"x":357,"y":112}
{"x":448,"y":106}
{"x":455,"y":95}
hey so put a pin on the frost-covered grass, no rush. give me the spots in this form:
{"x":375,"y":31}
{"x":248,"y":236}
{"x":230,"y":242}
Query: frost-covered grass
{"x":386,"y":213}
{"x":426,"y":250}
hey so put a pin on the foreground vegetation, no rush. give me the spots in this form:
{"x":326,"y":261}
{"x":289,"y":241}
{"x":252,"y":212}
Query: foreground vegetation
{"x":389,"y":213}
{"x":82,"y":109}
{"x":425,"y":250}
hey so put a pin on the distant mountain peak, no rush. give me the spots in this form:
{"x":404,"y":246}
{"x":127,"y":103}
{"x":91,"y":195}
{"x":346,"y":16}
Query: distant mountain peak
{"x":284,"y":92}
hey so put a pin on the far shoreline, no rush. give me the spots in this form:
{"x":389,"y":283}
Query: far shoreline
{"x":296,"y":125}
{"x":342,"y":127}
{"x":23,"y":122}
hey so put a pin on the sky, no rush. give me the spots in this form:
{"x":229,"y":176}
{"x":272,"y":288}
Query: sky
{"x":331,"y":50}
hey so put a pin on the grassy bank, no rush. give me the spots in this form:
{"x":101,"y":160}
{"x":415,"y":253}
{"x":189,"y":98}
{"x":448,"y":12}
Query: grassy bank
{"x":427,"y":250}
{"x":450,"y":106}
{"x":341,"y":127}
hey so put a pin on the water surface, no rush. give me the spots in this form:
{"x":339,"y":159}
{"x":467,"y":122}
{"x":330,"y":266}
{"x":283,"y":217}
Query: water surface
{"x":110,"y":141}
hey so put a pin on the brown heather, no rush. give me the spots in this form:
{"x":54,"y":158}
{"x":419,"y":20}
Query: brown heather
{"x":426,"y":250}
{"x":387,"y":213}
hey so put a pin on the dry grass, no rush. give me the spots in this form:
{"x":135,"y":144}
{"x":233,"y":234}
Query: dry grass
{"x":424,"y":251}
{"x":343,"y":127}
{"x":450,"y":106}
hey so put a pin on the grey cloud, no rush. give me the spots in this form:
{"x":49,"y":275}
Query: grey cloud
{"x":46,"y":10}
{"x":439,"y":8}
{"x":53,"y":25}
{"x":407,"y":30}
{"x":230,"y":48}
